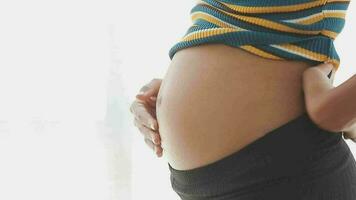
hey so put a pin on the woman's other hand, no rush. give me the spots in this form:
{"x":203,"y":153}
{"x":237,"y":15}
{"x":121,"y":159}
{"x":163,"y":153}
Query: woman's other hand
{"x":331,"y":108}
{"x":144,"y":110}
{"x":350,"y":133}
{"x":316,"y":84}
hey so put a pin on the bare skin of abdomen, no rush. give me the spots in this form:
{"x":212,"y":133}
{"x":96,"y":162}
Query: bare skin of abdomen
{"x":215,"y":100}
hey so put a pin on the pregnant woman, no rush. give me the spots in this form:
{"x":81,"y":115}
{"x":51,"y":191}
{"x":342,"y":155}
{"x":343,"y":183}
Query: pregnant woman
{"x":246,"y":109}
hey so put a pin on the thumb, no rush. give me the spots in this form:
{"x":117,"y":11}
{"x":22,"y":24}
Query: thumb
{"x":326,"y":68}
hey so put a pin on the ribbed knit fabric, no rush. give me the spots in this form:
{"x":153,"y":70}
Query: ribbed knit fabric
{"x":276,"y":29}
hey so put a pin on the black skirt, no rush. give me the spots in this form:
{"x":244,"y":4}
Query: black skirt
{"x":296,"y":161}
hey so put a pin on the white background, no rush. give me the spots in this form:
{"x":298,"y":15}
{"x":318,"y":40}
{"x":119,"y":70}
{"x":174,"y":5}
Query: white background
{"x":68,"y":72}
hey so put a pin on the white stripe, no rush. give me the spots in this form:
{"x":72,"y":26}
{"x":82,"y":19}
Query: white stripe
{"x":302,"y":18}
{"x":314,"y":15}
{"x":335,"y":11}
{"x":292,"y":52}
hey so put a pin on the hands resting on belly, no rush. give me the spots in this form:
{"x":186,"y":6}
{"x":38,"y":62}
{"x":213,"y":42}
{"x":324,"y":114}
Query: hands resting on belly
{"x":331,"y":108}
{"x":316,"y":86}
{"x":144,"y":111}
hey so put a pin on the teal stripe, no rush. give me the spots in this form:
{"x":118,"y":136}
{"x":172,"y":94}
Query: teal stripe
{"x":336,"y":6}
{"x":289,"y":15}
{"x":334,"y":24}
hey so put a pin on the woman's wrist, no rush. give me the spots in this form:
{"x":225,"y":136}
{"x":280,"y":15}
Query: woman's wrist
{"x":350,"y":132}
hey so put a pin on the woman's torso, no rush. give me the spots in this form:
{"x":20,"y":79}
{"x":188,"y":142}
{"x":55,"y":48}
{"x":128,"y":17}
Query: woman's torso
{"x":216,"y":99}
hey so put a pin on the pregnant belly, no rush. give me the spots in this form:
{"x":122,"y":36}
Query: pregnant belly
{"x":215,"y":100}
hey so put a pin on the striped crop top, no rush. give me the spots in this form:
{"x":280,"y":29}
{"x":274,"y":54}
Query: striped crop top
{"x":276,"y":29}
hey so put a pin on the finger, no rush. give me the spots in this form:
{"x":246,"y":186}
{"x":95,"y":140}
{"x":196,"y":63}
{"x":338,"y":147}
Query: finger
{"x":155,"y":148}
{"x":328,"y":70}
{"x":150,"y":89}
{"x":144,"y":114}
{"x":153,"y":98}
{"x":325,"y":67}
{"x":147,"y":100}
{"x":315,"y":81}
{"x":149,"y":106}
{"x":151,"y":103}
{"x":148,"y":133}
{"x":332,"y":76}
{"x":348,"y":137}
{"x":154,"y":114}
{"x":159,"y":151}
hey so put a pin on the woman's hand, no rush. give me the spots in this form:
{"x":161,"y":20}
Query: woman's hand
{"x":350,"y":133}
{"x":144,"y":110}
{"x":329,"y":107}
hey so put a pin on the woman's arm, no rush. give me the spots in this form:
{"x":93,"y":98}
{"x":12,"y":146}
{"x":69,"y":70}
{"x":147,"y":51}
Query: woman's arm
{"x":331,"y":108}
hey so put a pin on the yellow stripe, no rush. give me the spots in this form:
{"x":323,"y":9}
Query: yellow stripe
{"x":275,"y":25}
{"x":320,"y":17}
{"x":212,"y":19}
{"x":259,"y":52}
{"x":328,"y":1}
{"x":330,"y":34}
{"x":311,"y":20}
{"x":335,"y":14}
{"x":272,"y":9}
{"x":207,"y":33}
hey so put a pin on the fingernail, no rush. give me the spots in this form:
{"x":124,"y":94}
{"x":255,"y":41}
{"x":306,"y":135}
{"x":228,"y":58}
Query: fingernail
{"x":153,"y":126}
{"x":329,"y":75}
{"x":153,"y":98}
